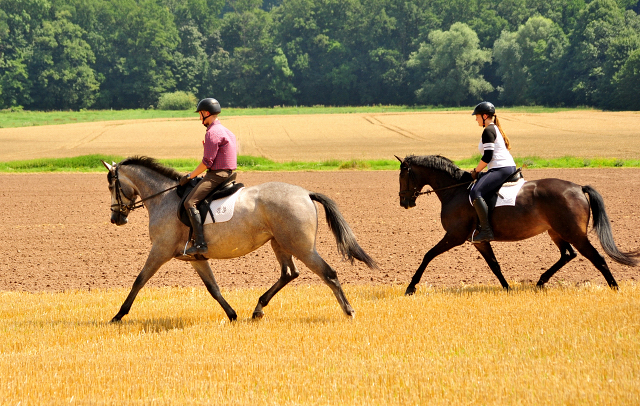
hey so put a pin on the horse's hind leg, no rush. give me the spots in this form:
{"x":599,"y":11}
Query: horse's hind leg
{"x":585,"y":248}
{"x":318,"y":265}
{"x":566,"y":254}
{"x":206,"y":274}
{"x":288,"y":273}
{"x":488,"y":255}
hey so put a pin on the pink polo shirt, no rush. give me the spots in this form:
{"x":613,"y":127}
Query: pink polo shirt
{"x":220,"y":148}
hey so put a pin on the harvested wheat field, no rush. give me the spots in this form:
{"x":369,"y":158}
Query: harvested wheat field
{"x":65,"y":270}
{"x":337,"y":136}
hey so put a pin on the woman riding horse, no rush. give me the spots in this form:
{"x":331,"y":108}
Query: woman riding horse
{"x":495,"y":148}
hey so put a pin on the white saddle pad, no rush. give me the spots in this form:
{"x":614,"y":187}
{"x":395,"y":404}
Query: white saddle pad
{"x":222,"y":209}
{"x":507,"y":193}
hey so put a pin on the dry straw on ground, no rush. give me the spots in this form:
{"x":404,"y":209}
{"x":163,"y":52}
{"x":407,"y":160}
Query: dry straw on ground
{"x":575,"y":345}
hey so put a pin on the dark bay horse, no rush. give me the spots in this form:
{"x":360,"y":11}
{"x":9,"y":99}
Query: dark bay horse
{"x":282,"y":214}
{"x":556,"y":206}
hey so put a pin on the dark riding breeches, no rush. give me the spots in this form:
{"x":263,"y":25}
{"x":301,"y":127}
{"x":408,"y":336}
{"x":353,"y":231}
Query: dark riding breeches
{"x":209,"y":182}
{"x":490,"y":182}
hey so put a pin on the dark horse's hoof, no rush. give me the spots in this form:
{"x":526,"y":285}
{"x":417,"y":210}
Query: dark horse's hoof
{"x":116,"y":319}
{"x":257,"y":315}
{"x":410,"y":291}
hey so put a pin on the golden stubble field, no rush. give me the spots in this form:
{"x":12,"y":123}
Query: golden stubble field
{"x":584,"y":133}
{"x":466,"y":346}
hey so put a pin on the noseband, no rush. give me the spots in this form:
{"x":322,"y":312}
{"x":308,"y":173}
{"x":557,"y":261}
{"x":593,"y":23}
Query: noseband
{"x":124,"y":208}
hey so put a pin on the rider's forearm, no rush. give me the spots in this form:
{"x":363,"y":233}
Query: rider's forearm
{"x":201,"y":168}
{"x":481,"y":166}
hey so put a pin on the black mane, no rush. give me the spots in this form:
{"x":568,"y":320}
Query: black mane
{"x":152,"y":164}
{"x":439,"y":163}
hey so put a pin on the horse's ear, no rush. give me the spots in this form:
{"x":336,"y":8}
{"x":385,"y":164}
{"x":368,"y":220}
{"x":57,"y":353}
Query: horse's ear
{"x":398,"y":159}
{"x":106,"y":165}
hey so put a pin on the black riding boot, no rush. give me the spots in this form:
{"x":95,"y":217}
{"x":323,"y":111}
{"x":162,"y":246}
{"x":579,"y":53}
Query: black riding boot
{"x":199,"y":245}
{"x":485,"y":233}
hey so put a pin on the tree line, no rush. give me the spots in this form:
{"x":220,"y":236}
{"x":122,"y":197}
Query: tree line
{"x":75,"y":54}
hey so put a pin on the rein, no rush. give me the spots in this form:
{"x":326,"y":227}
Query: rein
{"x":416,"y":193}
{"x":122,"y":208}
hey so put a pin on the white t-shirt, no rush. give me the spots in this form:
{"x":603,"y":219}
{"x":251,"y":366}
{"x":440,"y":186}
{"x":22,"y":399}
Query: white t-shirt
{"x":492,"y":140}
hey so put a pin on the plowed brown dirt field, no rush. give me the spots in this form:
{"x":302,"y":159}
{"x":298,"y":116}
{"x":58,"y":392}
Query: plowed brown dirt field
{"x":55,"y":235}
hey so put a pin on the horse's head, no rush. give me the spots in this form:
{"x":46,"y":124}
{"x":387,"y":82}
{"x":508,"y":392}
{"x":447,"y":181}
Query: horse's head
{"x":123,"y":195}
{"x":408,"y":186}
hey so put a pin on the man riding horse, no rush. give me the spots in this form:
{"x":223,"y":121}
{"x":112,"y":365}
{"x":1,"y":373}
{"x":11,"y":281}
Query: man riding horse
{"x":219,"y":160}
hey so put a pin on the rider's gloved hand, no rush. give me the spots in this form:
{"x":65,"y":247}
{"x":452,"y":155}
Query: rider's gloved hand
{"x":474,"y":174}
{"x":184,"y":180}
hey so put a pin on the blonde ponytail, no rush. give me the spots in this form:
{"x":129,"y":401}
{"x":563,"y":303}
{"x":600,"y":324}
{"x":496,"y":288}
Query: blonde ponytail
{"x":507,"y":143}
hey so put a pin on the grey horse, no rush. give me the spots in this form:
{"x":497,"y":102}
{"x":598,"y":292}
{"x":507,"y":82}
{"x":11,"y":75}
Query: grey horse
{"x":281,"y":213}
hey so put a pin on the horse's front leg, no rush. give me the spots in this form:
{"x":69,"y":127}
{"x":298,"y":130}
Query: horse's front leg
{"x":446,"y":243}
{"x":157,"y":257}
{"x":206,"y":274}
{"x":488,"y":255}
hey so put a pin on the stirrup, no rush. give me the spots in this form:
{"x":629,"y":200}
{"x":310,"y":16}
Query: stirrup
{"x":200,"y":250}
{"x":485,"y":238}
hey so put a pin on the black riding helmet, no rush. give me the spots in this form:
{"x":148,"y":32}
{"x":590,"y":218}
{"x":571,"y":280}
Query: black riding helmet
{"x":209,"y":104}
{"x":484,"y":108}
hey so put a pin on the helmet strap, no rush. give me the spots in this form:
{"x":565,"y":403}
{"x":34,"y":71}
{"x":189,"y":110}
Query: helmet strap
{"x":205,"y":117}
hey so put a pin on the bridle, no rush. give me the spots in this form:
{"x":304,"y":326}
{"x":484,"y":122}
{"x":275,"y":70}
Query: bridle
{"x":413,"y":194}
{"x":126,"y":208}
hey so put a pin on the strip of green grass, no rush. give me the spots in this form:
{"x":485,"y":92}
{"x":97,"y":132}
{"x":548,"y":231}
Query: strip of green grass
{"x":91,"y":163}
{"x":24,"y":118}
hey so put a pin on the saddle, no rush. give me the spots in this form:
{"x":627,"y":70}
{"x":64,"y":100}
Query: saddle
{"x":227,"y":188}
{"x":492,"y":199}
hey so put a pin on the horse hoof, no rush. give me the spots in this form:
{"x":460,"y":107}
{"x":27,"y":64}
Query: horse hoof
{"x":116,"y":319}
{"x":257,"y":315}
{"x":410,"y":291}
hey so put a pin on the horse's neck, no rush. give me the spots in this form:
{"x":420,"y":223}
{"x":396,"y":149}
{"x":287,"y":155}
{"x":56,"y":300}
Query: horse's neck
{"x":439,"y":181}
{"x":147,"y":183}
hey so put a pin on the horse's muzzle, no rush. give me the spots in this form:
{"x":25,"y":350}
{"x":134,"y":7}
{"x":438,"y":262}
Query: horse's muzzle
{"x":119,"y":219}
{"x":407,"y":203}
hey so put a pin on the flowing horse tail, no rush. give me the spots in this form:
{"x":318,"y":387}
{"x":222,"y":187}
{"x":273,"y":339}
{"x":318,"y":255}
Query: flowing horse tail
{"x":603,"y":229}
{"x":346,"y":240}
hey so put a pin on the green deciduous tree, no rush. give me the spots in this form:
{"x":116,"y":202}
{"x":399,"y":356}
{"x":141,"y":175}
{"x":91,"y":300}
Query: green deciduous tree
{"x":137,"y":46}
{"x":60,"y":66}
{"x":19,"y":19}
{"x":602,"y":40}
{"x":528,"y":62}
{"x":451,"y":63}
{"x":627,"y":84}
{"x":250,"y":69}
